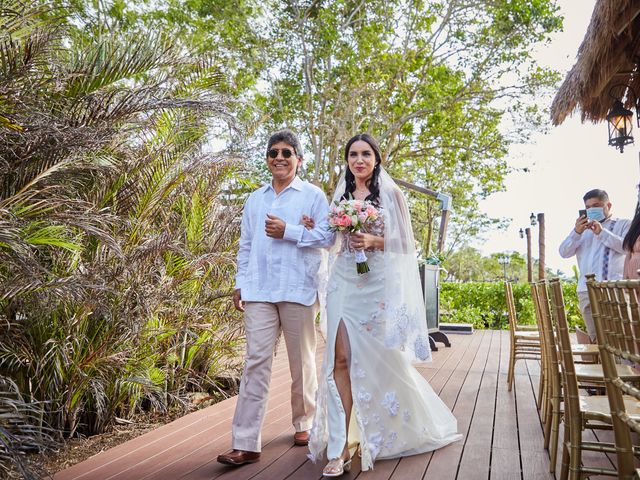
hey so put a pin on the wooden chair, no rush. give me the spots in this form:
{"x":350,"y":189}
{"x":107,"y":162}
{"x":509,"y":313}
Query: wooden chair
{"x":580,"y":412}
{"x":616,"y":314}
{"x":551,"y":412}
{"x":525,"y":342}
{"x":549,"y":353}
{"x":552,"y":398}
{"x":543,"y":386}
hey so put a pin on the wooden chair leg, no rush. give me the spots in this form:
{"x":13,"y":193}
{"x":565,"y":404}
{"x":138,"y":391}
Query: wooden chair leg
{"x":540,"y":390}
{"x":555,"y":431}
{"x":575,"y":454}
{"x":512,"y":361}
{"x":545,"y":401}
{"x":547,"y":427}
{"x":564,"y":467}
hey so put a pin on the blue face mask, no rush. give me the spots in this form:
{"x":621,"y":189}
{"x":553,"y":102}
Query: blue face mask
{"x":595,"y":213}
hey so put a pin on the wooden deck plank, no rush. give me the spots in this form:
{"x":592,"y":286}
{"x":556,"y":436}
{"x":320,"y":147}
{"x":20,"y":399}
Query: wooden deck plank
{"x":444,"y":462}
{"x":420,"y":463}
{"x":218,"y":418}
{"x":505,"y":450}
{"x":535,"y":465}
{"x":470,"y":378}
{"x":476,"y":456}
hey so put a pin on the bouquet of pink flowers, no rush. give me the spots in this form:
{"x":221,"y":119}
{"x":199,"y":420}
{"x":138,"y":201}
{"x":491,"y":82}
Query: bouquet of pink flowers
{"x":351,"y":216}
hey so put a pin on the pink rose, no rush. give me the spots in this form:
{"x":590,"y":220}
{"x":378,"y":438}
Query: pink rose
{"x":346,"y":221}
{"x":371,"y":211}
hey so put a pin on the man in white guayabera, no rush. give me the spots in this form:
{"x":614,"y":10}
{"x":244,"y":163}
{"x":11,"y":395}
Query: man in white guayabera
{"x":596,"y":241}
{"x":277,"y":289}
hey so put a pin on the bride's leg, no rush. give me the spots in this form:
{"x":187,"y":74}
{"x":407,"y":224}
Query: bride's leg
{"x":343,"y":379}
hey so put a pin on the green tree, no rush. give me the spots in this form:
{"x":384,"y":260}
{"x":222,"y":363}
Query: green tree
{"x":434,"y":81}
{"x":439,"y":83}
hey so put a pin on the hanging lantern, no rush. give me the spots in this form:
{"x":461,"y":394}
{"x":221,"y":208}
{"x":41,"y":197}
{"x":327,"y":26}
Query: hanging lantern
{"x":521,"y":233}
{"x":620,"y":124}
{"x":533,"y":220}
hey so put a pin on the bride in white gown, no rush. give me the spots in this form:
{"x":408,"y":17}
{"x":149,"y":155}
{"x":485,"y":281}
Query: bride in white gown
{"x":369,"y":393}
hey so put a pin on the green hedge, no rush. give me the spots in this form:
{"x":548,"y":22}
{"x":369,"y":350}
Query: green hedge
{"x":483,"y":304}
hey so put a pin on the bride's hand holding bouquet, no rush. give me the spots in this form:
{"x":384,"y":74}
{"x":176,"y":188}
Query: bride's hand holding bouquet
{"x":352,"y":216}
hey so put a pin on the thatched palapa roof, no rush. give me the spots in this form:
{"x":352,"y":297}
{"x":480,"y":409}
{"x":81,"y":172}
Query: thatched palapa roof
{"x":608,"y":56}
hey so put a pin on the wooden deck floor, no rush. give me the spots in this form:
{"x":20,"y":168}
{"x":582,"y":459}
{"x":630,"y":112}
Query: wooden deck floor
{"x":503,"y":436}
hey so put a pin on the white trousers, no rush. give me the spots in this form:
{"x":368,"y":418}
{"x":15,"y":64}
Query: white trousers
{"x":263,"y":322}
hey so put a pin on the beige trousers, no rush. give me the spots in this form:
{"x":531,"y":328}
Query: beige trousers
{"x":585,"y":308}
{"x":263,"y":322}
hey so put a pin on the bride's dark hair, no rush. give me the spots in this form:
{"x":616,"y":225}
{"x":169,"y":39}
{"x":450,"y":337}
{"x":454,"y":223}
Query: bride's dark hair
{"x":350,"y":179}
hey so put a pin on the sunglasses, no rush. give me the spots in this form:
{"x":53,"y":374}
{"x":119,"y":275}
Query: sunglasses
{"x":286,"y":153}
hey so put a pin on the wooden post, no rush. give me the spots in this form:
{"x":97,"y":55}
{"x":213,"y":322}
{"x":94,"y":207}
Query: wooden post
{"x":541,"y":274}
{"x":529,"y":266}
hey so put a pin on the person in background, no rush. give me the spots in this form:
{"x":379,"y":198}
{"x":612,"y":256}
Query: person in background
{"x":631,"y":245}
{"x":596,"y":241}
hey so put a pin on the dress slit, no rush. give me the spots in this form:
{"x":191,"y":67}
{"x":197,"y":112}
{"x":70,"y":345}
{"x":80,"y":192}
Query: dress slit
{"x":394,"y":412}
{"x":338,"y":431}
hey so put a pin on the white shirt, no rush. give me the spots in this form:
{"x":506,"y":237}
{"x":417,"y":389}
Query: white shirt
{"x":589,"y":250}
{"x":286,"y":269}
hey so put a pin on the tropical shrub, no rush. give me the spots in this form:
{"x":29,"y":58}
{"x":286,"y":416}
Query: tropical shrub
{"x":483,"y":304}
{"x":117,"y":231}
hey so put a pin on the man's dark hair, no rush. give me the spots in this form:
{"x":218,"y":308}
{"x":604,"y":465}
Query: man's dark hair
{"x":596,"y":193}
{"x":286,"y":136}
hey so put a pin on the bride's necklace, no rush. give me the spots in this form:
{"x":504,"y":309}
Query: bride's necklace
{"x":361,"y":191}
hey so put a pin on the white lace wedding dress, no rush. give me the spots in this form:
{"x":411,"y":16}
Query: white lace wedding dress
{"x":395,"y":412}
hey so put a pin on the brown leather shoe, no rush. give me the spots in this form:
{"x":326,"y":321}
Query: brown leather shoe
{"x":239,"y":457}
{"x":301,"y":439}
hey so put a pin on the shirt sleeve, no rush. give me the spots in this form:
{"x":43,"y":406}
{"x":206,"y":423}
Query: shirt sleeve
{"x":318,"y":237}
{"x":569,"y":246}
{"x":613,"y":241}
{"x":244,"y":250}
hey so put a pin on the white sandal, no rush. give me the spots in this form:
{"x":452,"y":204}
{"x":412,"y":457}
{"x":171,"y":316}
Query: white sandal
{"x":339,"y":467}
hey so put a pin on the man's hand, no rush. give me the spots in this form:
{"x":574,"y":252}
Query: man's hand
{"x":237,"y":300}
{"x":582,"y":223}
{"x":596,"y":226}
{"x":308,"y":222}
{"x":274,"y":226}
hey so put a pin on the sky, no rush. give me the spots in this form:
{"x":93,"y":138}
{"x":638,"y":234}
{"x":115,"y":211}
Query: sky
{"x":564,"y":163}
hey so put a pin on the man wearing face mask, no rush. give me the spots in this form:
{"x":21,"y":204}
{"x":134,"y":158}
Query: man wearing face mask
{"x":596,"y":241}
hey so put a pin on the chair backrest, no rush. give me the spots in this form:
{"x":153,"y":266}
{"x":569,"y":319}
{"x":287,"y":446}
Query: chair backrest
{"x":538,"y":313}
{"x":541,"y":302}
{"x":569,"y":380}
{"x":617,"y":319}
{"x":511,"y":309}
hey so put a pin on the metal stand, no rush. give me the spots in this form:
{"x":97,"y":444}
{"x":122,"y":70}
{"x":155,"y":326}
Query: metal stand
{"x":429,"y":274}
{"x":438,"y":337}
